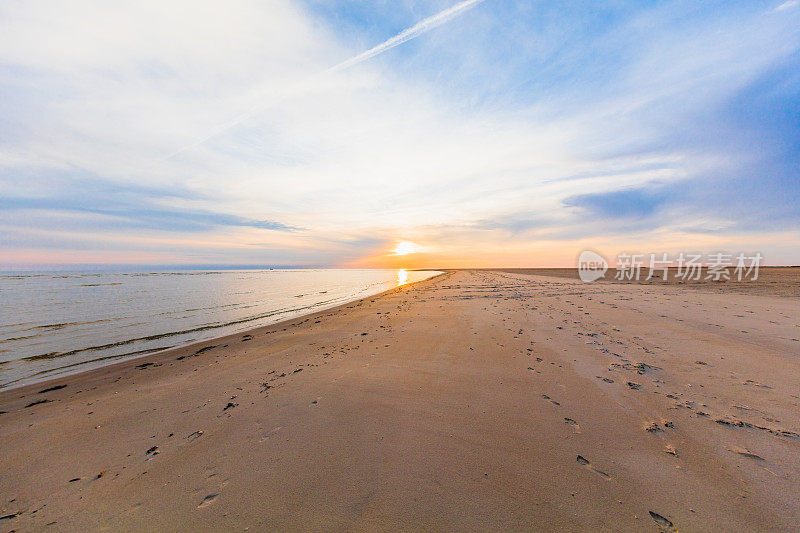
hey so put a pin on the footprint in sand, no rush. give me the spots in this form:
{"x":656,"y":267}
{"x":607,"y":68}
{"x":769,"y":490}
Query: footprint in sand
{"x":585,"y":462}
{"x":662,"y":521}
{"x":652,"y":427}
{"x":208,"y":500}
{"x":548,"y":398}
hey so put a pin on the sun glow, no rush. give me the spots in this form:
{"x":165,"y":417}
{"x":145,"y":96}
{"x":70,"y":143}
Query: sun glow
{"x":405,"y":248}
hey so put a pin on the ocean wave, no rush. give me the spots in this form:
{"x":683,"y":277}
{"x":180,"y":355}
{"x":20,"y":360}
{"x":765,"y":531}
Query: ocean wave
{"x":204,"y":327}
{"x":61,"y":325}
{"x":62,"y":368}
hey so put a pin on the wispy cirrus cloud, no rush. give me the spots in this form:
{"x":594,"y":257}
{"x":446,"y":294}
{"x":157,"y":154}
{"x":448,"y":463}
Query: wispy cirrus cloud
{"x":414,"y":31}
{"x":790,"y":4}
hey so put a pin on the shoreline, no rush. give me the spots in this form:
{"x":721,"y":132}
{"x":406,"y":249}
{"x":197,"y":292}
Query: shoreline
{"x":32,"y":381}
{"x":473,"y":400}
{"x":129,"y":358}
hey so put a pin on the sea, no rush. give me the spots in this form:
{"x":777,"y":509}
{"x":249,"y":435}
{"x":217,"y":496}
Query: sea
{"x":52,"y":323}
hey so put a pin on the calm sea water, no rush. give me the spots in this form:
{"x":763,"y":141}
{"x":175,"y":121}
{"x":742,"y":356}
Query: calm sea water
{"x":52,"y":323}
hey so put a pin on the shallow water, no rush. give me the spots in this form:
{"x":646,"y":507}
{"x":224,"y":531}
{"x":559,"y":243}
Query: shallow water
{"x":51,"y":323}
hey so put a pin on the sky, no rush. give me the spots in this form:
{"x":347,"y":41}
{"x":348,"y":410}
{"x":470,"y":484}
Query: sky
{"x":397,"y":133}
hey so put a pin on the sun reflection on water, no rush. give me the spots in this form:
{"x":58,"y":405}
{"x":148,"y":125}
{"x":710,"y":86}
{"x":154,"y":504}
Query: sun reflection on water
{"x":402,"y":277}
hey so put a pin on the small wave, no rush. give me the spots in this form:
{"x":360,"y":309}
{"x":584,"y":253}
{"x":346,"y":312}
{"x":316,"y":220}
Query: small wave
{"x":61,"y":368}
{"x":53,"y":326}
{"x":204,"y":327}
{"x":195,"y":273}
{"x":61,"y":325}
{"x":18,"y":324}
{"x":12,"y":339}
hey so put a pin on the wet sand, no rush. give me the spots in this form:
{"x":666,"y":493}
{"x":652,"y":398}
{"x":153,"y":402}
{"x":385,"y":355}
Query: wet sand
{"x":477,"y":400}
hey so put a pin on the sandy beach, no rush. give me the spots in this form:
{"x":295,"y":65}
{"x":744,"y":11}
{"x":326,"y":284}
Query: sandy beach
{"x":475,"y":400}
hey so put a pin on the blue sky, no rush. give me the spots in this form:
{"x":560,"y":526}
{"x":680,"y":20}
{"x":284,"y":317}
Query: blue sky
{"x":502,"y":133}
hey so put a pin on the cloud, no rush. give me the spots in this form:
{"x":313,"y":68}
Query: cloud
{"x":790,"y":4}
{"x":510,"y":126}
{"x":136,"y":217}
{"x":619,"y":204}
{"x":414,"y":31}
{"x":95,"y":205}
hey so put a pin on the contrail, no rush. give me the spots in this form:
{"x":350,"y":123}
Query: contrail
{"x":414,"y":31}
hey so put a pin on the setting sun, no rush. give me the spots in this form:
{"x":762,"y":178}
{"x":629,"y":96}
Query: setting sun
{"x":405,"y":248}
